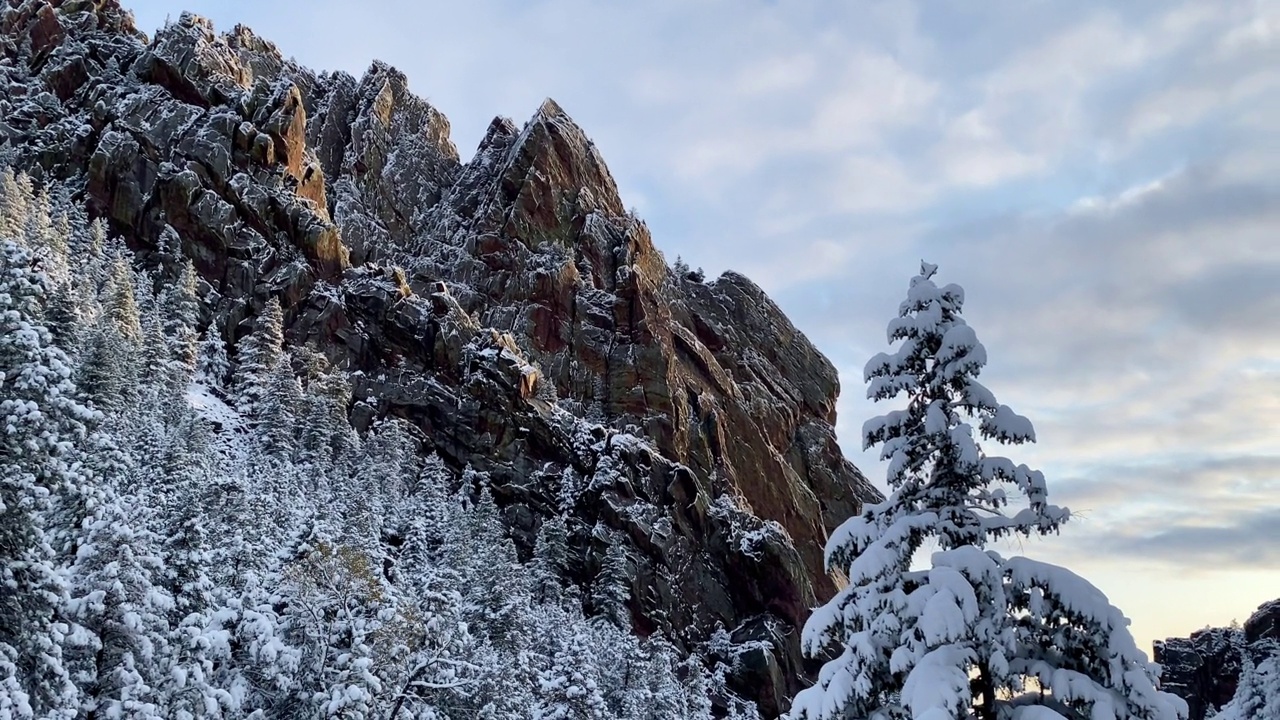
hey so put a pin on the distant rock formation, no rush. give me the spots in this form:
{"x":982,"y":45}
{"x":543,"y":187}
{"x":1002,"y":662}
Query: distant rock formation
{"x":1204,"y":669}
{"x":484,"y":301}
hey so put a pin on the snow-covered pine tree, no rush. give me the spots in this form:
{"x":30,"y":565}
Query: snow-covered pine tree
{"x":180,"y":312}
{"x":697,"y":689}
{"x":550,"y":559}
{"x":117,"y":596}
{"x":64,"y":316}
{"x":326,"y":432}
{"x":167,"y":377}
{"x":1258,"y":691}
{"x":188,"y":491}
{"x":42,"y":427}
{"x":97,"y":256}
{"x":109,"y":370}
{"x":570,"y":688}
{"x":278,"y":410}
{"x":975,"y":635}
{"x":212,"y":366}
{"x":44,"y":240}
{"x":16,"y":196}
{"x":496,"y":586}
{"x":108,"y":374}
{"x":256,"y":356}
{"x":664,"y":694}
{"x":119,"y":302}
{"x":611,"y":589}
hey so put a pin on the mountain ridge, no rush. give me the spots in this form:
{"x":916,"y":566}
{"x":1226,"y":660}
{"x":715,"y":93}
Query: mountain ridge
{"x":485,"y":302}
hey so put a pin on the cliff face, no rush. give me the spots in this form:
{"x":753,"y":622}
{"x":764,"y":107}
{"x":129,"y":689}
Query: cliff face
{"x":1204,"y":669}
{"x":508,"y":306}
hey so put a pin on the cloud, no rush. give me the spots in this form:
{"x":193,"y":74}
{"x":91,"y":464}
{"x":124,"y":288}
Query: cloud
{"x":1246,"y":542}
{"x":1140,"y":331}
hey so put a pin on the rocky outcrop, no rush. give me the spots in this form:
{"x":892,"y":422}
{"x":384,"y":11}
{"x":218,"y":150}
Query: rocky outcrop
{"x":1204,"y":669}
{"x":1264,"y":624}
{"x":509,"y":306}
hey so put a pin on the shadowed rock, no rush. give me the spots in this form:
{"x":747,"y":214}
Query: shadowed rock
{"x":1204,"y":669}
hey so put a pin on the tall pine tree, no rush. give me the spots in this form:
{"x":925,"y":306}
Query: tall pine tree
{"x":976,"y":635}
{"x":41,"y":427}
{"x":256,"y":356}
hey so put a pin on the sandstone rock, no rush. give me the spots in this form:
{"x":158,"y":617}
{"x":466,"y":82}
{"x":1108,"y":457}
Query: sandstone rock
{"x":509,"y":308}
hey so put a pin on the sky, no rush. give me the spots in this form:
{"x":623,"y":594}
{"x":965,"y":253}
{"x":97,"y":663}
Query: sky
{"x":1103,"y":179}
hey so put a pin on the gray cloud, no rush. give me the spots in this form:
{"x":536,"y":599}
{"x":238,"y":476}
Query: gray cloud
{"x":1247,"y":542}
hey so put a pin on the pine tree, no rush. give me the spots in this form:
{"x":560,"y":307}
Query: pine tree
{"x":109,"y":369}
{"x":256,"y":356}
{"x":667,"y":694}
{"x":550,"y":559}
{"x":278,"y":410}
{"x":570,"y":688}
{"x":612,"y":587}
{"x":97,"y":257}
{"x":180,"y":310}
{"x":108,"y":372}
{"x":119,"y":302}
{"x":388,"y":465}
{"x":16,"y":196}
{"x":326,"y":431}
{"x":117,"y":597}
{"x":212,"y":366}
{"x":970,"y":634}
{"x":189,"y":491}
{"x":391,"y":459}
{"x":496,"y":598}
{"x":1257,"y":694}
{"x":64,"y":316}
{"x":697,"y":689}
{"x":166,"y":378}
{"x":41,"y":425}
{"x":49,"y":247}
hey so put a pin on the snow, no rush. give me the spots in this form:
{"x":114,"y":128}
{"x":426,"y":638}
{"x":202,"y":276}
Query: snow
{"x":937,"y":688}
{"x":211,"y":408}
{"x":1008,"y":426}
{"x":973,"y":620}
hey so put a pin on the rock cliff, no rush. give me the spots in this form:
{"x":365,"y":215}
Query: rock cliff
{"x":1204,"y":669}
{"x":508,"y":306}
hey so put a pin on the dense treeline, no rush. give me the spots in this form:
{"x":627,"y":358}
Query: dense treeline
{"x":194,"y":531}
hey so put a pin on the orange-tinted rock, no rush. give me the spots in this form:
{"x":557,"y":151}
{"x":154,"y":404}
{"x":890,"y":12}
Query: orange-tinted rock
{"x":534,"y":333}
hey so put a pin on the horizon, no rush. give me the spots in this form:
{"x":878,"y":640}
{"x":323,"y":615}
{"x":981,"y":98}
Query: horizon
{"x":1099,"y":183}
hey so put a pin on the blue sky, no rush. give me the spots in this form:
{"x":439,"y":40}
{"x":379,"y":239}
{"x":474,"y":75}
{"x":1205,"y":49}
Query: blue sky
{"x":1103,"y":179}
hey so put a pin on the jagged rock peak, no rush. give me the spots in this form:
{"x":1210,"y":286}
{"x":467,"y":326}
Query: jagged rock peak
{"x":535,"y":332}
{"x":387,"y":90}
{"x":561,"y":161}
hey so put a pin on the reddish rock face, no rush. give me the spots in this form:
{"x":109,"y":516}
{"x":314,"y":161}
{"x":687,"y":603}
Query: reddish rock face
{"x":534,"y":332}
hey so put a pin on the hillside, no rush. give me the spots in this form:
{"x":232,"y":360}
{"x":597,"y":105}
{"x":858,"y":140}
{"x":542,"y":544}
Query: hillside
{"x":432,"y":370}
